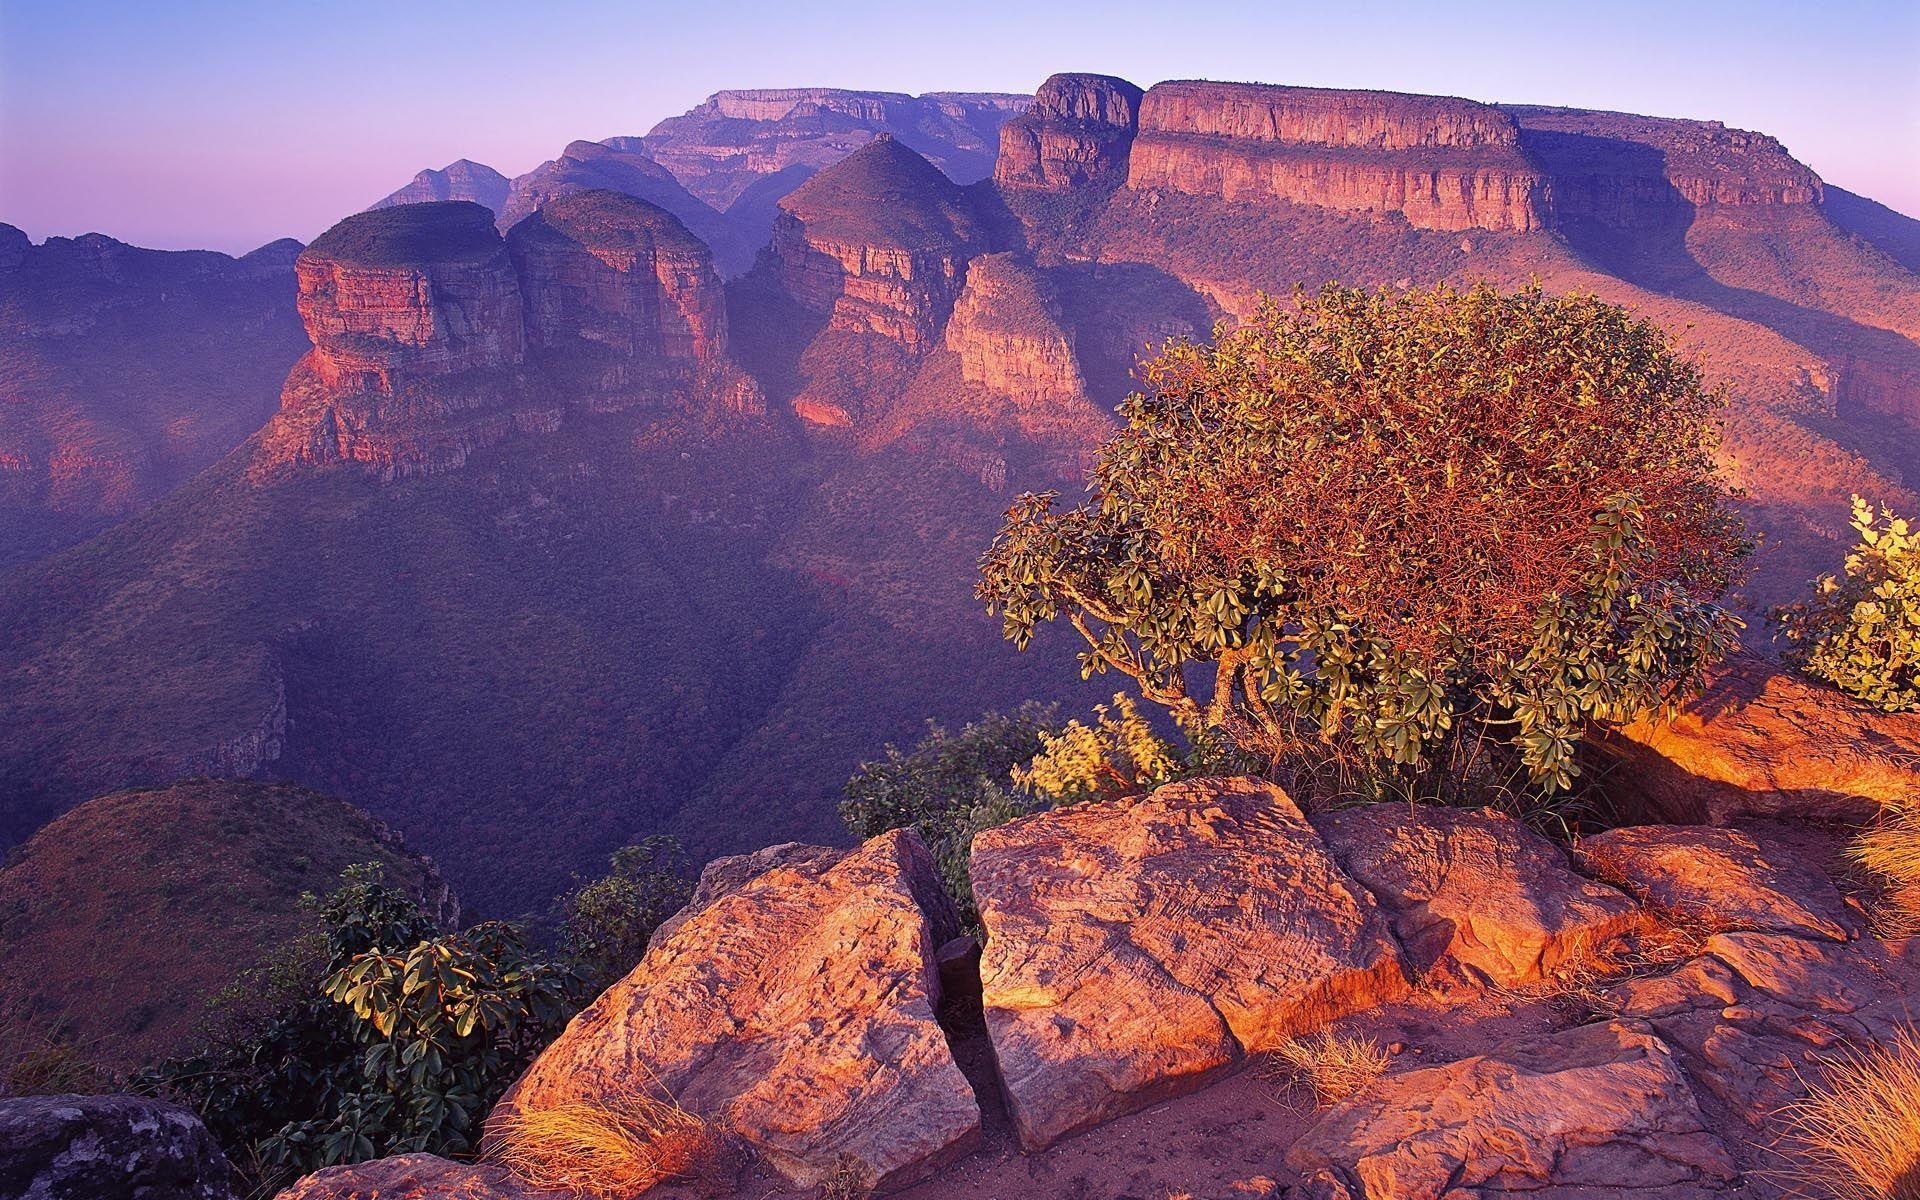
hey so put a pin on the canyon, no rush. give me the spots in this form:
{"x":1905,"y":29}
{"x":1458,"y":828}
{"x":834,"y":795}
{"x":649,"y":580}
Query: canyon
{"x":588,"y":500}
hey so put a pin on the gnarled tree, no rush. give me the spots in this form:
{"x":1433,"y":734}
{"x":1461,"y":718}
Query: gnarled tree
{"x":1397,"y":530}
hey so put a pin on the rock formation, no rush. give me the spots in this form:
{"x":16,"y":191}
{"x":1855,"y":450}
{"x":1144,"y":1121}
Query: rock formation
{"x":624,"y":308}
{"x":623,"y":164}
{"x":1441,"y":163}
{"x":412,"y":1177}
{"x":1075,"y":137}
{"x":1762,"y":742}
{"x":107,"y":1148}
{"x":1722,"y":879}
{"x":419,"y":343}
{"x":1135,"y":949}
{"x":1476,"y":898}
{"x":1599,"y":1110}
{"x":794,"y":1008}
{"x":461,"y":179}
{"x":1006,"y":328}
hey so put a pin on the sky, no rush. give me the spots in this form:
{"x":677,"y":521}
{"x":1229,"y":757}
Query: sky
{"x":225,"y":124}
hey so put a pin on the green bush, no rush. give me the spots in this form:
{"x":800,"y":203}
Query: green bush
{"x":606,"y":924}
{"x":1861,"y":631}
{"x":1424,"y":537}
{"x":399,"y":1041}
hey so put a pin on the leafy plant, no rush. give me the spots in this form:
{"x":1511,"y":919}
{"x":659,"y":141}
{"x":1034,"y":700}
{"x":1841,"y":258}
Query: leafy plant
{"x":1861,"y":632}
{"x":1412,"y":532}
{"x":950,"y":787}
{"x":1119,"y":754}
{"x":606,"y":924}
{"x":399,"y":1042}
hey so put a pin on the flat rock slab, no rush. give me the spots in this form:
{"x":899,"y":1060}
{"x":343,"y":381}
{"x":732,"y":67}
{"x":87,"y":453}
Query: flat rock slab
{"x":794,"y":1007}
{"x":1136,"y":947}
{"x":1724,"y":878}
{"x":413,"y":1177}
{"x":1762,"y":742}
{"x":1476,"y":898}
{"x":1601,"y":1110}
{"x":1755,"y":1014}
{"x":107,"y":1148}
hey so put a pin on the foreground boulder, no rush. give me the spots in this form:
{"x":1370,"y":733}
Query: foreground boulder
{"x":1755,"y":1013}
{"x":411,"y":1177}
{"x":107,"y":1148}
{"x":1761,"y":742}
{"x":1476,"y":898}
{"x":1601,"y":1107}
{"x":1135,"y":948}
{"x":1723,"y":879}
{"x":795,"y":1010}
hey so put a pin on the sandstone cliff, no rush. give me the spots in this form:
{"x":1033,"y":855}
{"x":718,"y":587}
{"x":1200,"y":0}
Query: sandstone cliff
{"x":1077,"y":134}
{"x":1441,"y":163}
{"x":462,"y":179}
{"x":1006,"y":329}
{"x":624,"y":307}
{"x":418,"y":335}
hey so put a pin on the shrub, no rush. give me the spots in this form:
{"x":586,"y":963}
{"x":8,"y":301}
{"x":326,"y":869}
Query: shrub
{"x":612,"y":1149}
{"x":950,"y":787}
{"x":1118,"y":755}
{"x":606,"y":924}
{"x":1333,"y":1065}
{"x":1861,"y":633}
{"x":1856,"y":1136}
{"x":399,"y":1042}
{"x":1401,"y":529}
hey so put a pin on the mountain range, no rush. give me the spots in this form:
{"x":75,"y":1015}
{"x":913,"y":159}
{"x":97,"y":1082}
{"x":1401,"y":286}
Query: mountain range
{"x":642,"y":492}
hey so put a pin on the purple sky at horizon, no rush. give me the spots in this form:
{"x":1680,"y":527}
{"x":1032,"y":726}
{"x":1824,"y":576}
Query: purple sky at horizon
{"x":211,"y":123}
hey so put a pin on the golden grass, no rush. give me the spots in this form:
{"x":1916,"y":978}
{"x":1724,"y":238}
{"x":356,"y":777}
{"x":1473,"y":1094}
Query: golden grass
{"x":1856,"y":1136}
{"x":1333,"y":1065}
{"x":1890,"y":852}
{"x":611,"y":1149}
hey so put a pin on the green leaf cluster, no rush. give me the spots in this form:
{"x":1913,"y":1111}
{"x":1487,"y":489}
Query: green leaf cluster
{"x":1861,"y":630}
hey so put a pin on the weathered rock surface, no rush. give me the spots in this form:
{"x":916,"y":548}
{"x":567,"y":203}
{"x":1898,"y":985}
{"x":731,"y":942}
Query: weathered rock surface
{"x":1442,"y":163}
{"x":624,"y":306}
{"x":1756,"y":1013}
{"x":411,"y":1177}
{"x":462,"y":179}
{"x":418,"y":332}
{"x":1136,"y":947}
{"x":1475,"y":897}
{"x":1007,"y":330}
{"x":1598,"y":1110}
{"x":107,"y":1148}
{"x":1076,"y":135}
{"x":797,"y":1010}
{"x":1761,"y":742}
{"x":1724,"y":879}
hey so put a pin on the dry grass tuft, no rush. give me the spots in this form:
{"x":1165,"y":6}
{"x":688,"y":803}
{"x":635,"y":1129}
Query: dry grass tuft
{"x":611,"y":1149}
{"x":1856,"y":1136}
{"x":1890,"y":852}
{"x":1334,"y":1066}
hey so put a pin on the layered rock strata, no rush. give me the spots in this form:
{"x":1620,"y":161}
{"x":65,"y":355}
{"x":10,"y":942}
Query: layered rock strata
{"x":1077,"y":135}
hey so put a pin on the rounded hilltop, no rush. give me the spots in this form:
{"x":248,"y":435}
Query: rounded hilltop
{"x":601,"y":219}
{"x":883,"y":194}
{"x":439,"y":231}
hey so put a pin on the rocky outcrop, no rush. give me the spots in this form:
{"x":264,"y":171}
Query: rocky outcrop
{"x":462,"y":179}
{"x":795,"y":1009}
{"x":419,"y":343}
{"x":742,"y":150}
{"x":1598,"y":1110}
{"x":1136,"y":948}
{"x":1760,"y":742}
{"x":412,"y":1177}
{"x":624,"y":164}
{"x":1755,"y":1013}
{"x":624,"y":306}
{"x":1476,"y":898}
{"x":1076,"y":136}
{"x":1441,"y":163}
{"x":1723,"y":879}
{"x":107,"y":1148}
{"x":1007,"y":330}
{"x":1634,"y":172}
